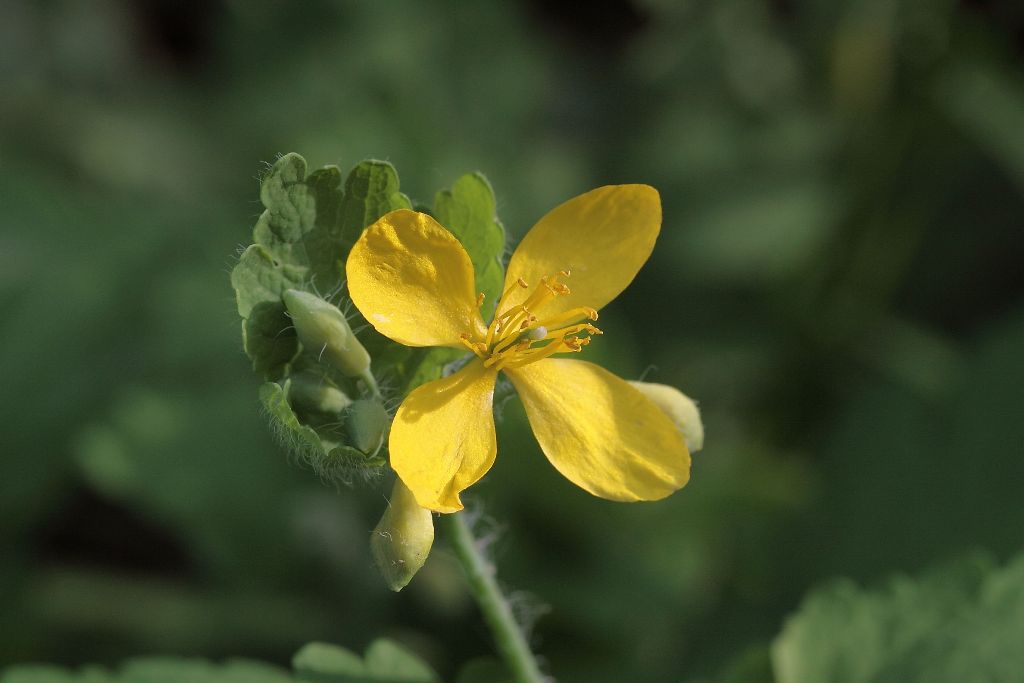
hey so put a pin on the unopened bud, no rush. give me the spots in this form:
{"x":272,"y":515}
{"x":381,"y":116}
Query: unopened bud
{"x":366,"y":423}
{"x":323,"y":330}
{"x":401,"y":540}
{"x":678,"y":406}
{"x":316,"y":395}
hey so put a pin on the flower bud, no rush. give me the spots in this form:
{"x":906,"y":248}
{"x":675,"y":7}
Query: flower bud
{"x":678,"y":406}
{"x":316,"y":395}
{"x":366,"y":423}
{"x":401,"y":540}
{"x":323,"y":330}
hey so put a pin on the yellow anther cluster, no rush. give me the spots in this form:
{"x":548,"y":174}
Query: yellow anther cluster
{"x":518,"y":337}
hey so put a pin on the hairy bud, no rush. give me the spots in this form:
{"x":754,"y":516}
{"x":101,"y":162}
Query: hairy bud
{"x":678,"y":406}
{"x":401,"y":540}
{"x":366,"y":423}
{"x":316,"y":395}
{"x":323,"y":330}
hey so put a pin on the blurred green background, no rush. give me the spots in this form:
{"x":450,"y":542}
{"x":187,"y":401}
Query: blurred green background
{"x":838,"y":280}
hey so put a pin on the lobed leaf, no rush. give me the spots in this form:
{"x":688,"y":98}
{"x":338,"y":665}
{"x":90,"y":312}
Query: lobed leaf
{"x":960,"y":623}
{"x":371,"y":190}
{"x":385,"y":662}
{"x":468,"y":210}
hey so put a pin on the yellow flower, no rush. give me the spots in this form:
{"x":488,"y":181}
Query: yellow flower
{"x":413,"y":281}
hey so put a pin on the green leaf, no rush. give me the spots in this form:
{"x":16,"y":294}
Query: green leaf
{"x":332,"y":460}
{"x":468,"y":210}
{"x":297,"y":238}
{"x":371,"y":190}
{"x":268,"y":336}
{"x":385,"y":662}
{"x":958,"y":624}
{"x":326,"y":663}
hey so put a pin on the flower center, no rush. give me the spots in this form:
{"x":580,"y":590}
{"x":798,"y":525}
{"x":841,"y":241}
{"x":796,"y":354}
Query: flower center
{"x":520,"y":335}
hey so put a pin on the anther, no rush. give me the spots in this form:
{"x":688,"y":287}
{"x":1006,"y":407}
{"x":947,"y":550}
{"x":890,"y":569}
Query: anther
{"x":479,"y":299}
{"x":522,"y":283}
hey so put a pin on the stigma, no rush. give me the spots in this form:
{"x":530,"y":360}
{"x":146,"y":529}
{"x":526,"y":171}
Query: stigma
{"x":520,"y":334}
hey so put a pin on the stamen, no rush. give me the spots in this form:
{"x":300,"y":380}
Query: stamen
{"x":520,"y":282}
{"x":574,"y":329}
{"x":517,"y":337}
{"x":569,"y":316}
{"x":534,"y":355}
{"x":477,"y":348}
{"x":479,"y":299}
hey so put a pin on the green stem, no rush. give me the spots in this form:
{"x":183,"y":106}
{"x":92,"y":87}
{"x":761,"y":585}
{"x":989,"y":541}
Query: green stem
{"x":371,"y":382}
{"x":510,"y":639}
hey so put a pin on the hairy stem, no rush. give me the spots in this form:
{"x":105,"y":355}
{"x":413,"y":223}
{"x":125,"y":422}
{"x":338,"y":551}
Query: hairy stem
{"x":509,"y":637}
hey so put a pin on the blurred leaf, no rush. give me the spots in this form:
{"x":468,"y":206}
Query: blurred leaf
{"x":989,"y":105}
{"x":385,"y":662}
{"x":484,"y":670}
{"x":758,"y":233}
{"x":468,"y":211}
{"x":156,"y":670}
{"x":960,"y":623}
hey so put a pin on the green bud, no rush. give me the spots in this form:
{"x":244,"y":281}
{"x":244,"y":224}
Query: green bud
{"x":317,"y":395}
{"x":323,"y":330}
{"x":366,"y":423}
{"x":678,"y":406}
{"x":401,"y":540}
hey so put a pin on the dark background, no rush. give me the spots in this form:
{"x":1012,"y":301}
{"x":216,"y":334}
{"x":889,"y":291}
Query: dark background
{"x":838,"y":281}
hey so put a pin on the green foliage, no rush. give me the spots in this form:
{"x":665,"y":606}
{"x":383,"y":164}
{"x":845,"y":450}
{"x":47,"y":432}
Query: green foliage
{"x":958,"y":624}
{"x":468,"y":210}
{"x":321,"y":450}
{"x":385,"y":662}
{"x":155,"y":670}
{"x":301,"y":241}
{"x":297,"y":239}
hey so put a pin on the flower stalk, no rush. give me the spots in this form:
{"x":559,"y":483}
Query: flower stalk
{"x":508,"y":636}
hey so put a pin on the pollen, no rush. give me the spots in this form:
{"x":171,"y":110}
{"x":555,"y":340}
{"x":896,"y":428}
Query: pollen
{"x":521,"y":334}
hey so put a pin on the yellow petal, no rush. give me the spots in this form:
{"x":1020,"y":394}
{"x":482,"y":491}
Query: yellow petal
{"x":600,"y":432}
{"x":442,"y":440}
{"x":602,"y":237}
{"x":412,"y":280}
